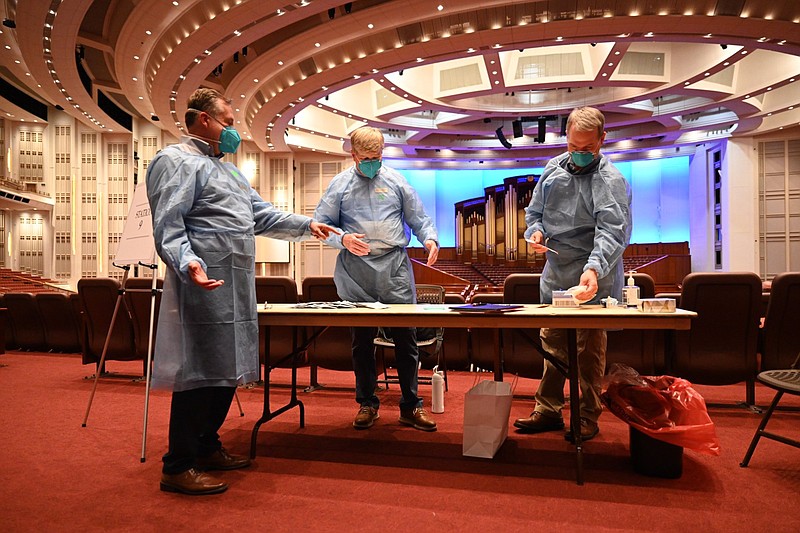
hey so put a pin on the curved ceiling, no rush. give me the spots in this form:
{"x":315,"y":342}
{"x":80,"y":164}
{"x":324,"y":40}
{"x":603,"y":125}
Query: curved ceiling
{"x":440,"y":78}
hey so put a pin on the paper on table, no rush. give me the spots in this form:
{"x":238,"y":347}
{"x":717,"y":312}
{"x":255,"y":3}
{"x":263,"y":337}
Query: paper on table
{"x":540,"y":244}
{"x":375,"y":305}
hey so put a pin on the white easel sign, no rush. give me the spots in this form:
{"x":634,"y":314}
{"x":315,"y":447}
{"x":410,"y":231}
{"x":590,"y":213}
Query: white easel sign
{"x":136,"y":243}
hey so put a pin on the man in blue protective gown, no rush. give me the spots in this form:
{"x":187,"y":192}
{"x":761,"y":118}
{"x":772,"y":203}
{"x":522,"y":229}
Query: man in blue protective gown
{"x":373,"y":205}
{"x":581,"y":209}
{"x":205,"y":216}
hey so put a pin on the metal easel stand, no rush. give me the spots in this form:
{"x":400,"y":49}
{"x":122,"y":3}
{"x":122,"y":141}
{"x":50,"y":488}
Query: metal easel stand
{"x":100,"y":365}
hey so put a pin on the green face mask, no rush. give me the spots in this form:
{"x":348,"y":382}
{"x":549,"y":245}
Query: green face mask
{"x":369,"y":167}
{"x":582,"y":159}
{"x":229,"y":140}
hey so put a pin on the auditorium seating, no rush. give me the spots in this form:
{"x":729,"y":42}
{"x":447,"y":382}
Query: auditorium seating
{"x":282,"y":339}
{"x":720,"y":347}
{"x":26,"y":322}
{"x":520,"y":355}
{"x":60,"y":322}
{"x":779,"y":342}
{"x":638,"y":348}
{"x":456,"y":340}
{"x":333,"y":349}
{"x":98,"y":299}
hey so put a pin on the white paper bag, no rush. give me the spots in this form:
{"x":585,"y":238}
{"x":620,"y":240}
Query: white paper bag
{"x":487,"y":407}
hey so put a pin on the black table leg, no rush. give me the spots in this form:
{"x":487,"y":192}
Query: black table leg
{"x":268,"y":415}
{"x":574,"y":399}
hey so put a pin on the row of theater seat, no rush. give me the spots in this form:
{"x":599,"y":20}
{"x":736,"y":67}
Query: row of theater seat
{"x":739,"y":331}
{"x":733,"y":337}
{"x":79,"y":322}
{"x":724,"y":346}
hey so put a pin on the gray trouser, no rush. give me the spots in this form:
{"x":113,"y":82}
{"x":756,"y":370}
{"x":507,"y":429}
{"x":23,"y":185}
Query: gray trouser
{"x":591,"y":363}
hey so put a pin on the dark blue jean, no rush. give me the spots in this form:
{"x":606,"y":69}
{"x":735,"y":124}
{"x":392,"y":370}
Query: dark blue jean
{"x":406,"y":355}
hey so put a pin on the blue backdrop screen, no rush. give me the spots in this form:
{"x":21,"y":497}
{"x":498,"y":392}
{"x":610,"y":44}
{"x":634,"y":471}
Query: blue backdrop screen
{"x":660,"y":190}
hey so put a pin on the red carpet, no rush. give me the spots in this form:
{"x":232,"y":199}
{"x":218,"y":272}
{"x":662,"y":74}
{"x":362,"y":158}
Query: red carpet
{"x":58,"y":476}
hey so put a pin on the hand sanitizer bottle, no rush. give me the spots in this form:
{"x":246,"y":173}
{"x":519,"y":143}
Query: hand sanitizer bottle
{"x":630,"y":292}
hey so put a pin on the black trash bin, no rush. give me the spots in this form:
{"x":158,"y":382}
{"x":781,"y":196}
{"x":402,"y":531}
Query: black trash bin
{"x":653,"y":457}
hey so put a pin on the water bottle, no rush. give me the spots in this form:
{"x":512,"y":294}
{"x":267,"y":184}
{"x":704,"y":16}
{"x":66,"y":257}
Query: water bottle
{"x":437,"y":391}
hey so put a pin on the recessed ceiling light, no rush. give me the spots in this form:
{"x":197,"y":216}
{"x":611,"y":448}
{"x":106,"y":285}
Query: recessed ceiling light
{"x":148,"y":32}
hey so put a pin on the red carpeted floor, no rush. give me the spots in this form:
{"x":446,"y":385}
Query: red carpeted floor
{"x":59,"y":476}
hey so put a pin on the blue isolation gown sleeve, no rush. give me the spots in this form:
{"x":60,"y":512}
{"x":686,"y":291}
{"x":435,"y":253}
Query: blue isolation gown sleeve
{"x":328,"y":209}
{"x":272,"y":222}
{"x":172,"y":184}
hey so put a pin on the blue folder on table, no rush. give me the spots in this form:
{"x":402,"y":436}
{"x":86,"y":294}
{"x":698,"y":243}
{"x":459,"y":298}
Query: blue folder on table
{"x":485,"y":308}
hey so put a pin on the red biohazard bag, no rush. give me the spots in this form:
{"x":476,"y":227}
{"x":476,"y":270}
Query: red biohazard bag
{"x":664,"y":407}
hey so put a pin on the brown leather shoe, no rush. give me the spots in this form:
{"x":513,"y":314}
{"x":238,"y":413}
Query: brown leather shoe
{"x":417,"y":418}
{"x":539,"y":423}
{"x":222,"y":460}
{"x":366,"y":417}
{"x":589,"y":430}
{"x":192,"y":482}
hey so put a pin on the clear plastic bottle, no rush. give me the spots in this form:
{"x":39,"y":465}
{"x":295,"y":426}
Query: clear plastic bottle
{"x":437,"y":391}
{"x":630,"y":292}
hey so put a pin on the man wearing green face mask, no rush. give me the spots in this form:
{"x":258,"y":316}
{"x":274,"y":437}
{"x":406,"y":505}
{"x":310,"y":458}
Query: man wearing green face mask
{"x":374,"y":206}
{"x":205,"y":218}
{"x":581,"y":209}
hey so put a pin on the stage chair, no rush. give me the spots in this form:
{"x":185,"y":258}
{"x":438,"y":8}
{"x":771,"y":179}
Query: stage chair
{"x":333,"y":349}
{"x":640,"y":349}
{"x":26,"y":322}
{"x":784,"y":382}
{"x":430,"y":341}
{"x":456,"y":344}
{"x":720,"y":347}
{"x":482,"y":353}
{"x":779,"y":341}
{"x":519,"y":354}
{"x":282,"y":339}
{"x":98,"y":298}
{"x":61,"y":325}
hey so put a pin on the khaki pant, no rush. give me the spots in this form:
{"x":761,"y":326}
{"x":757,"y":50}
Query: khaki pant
{"x":591,"y":362}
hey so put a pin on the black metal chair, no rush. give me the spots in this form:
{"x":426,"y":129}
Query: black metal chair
{"x":785,"y":382}
{"x":430,"y":341}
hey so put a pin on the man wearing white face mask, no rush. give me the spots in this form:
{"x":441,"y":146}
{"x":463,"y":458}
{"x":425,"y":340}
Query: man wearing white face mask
{"x":373,"y":205}
{"x":205,"y":216}
{"x":581,"y":209}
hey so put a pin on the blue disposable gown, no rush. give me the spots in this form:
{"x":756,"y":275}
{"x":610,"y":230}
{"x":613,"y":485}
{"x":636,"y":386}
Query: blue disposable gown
{"x":382,"y":208}
{"x":586,"y":217}
{"x":204,"y":210}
